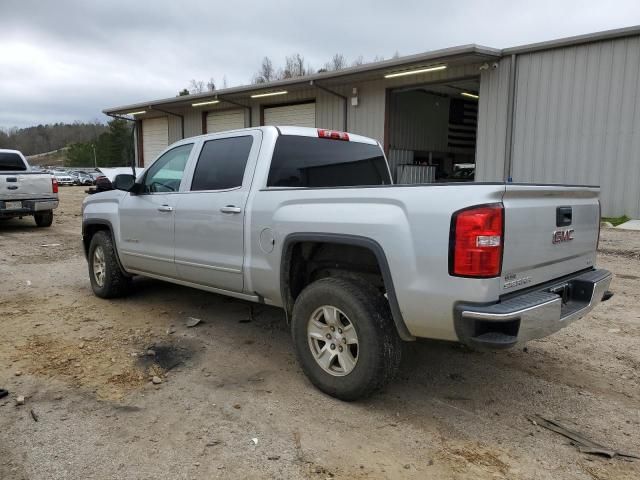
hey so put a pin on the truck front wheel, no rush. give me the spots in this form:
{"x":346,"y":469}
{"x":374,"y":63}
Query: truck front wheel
{"x":345,"y":338}
{"x":44,"y":219}
{"x":107,"y":279}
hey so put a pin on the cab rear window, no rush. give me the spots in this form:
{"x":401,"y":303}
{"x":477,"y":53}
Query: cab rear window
{"x":11,"y":162}
{"x":319,"y":162}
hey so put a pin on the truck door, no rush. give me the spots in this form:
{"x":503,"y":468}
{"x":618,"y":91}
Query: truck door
{"x":147,"y":218}
{"x":209,"y":229}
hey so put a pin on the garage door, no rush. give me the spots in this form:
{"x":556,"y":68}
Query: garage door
{"x":155,"y":138}
{"x":227,"y":120}
{"x":303,"y":115}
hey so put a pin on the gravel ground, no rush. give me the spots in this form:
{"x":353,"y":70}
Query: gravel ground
{"x":232,"y":402}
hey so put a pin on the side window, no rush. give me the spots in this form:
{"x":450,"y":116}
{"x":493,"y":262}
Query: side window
{"x":221,"y":163}
{"x":166,"y":173}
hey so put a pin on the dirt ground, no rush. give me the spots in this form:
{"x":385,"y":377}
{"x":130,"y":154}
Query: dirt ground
{"x":234,"y":404}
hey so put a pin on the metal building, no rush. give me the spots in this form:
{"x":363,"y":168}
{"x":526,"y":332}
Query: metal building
{"x":564,"y":111}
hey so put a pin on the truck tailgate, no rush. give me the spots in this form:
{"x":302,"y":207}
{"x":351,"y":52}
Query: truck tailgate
{"x":550,"y":232}
{"x":24,"y":186}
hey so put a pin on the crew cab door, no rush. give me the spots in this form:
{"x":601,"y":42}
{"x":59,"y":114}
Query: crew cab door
{"x":209,"y":229}
{"x":147,"y":218}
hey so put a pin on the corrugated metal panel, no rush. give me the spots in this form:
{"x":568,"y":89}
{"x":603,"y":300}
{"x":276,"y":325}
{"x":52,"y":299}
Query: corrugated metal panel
{"x":225,"y":120}
{"x":492,"y":123}
{"x":420,"y":121}
{"x":154,"y":138}
{"x":300,"y":115}
{"x":398,"y":157}
{"x":577,"y":120}
{"x":408,"y":174}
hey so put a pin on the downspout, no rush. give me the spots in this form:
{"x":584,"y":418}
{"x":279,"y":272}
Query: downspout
{"x":345,"y":101}
{"x":181,"y":117}
{"x":248,"y":107}
{"x":508,"y":151}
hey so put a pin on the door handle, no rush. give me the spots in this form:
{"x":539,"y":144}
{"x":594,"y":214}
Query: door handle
{"x":231,"y":209}
{"x":165,"y":208}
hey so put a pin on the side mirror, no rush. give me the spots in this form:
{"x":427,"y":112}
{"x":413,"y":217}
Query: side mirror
{"x":125,"y":182}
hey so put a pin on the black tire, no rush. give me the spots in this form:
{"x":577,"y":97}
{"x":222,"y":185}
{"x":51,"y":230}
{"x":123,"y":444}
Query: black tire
{"x":44,"y":219}
{"x":379,"y":347}
{"x":114,"y":282}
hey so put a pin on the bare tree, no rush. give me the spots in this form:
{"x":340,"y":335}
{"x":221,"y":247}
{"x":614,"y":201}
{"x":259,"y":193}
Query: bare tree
{"x":266,"y":73}
{"x":338,"y":62}
{"x":196,"y":86}
{"x":224,"y":82}
{"x":211,"y":85}
{"x":378,"y":58}
{"x":396,"y":54}
{"x":358,"y":61}
{"x":294,"y":67}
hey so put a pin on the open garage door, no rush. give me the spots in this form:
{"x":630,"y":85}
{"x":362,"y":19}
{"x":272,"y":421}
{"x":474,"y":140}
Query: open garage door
{"x":301,"y":115}
{"x":225,"y":120}
{"x":155,"y":138}
{"x":432,"y":132}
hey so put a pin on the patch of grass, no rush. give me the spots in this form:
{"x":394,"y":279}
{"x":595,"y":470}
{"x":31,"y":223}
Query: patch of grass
{"x":615,"y":221}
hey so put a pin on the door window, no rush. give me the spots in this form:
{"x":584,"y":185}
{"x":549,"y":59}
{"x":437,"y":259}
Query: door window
{"x":166,"y":173}
{"x":222,"y":163}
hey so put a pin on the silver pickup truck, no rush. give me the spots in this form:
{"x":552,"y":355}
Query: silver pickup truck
{"x":24,"y":192}
{"x":308,"y":220}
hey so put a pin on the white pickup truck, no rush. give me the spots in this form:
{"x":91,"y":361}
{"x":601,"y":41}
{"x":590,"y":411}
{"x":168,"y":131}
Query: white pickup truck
{"x":24,"y":192}
{"x":308,"y":220}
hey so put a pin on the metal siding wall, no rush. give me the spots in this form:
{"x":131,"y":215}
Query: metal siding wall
{"x":420,"y":122}
{"x":577,"y":120}
{"x":492,"y":123}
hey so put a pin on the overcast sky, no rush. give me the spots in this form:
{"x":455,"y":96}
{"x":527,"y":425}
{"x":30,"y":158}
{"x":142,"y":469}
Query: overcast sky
{"x":67,"y":60}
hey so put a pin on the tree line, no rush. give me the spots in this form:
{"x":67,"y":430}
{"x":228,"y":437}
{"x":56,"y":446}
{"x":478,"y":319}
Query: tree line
{"x":112,"y":148}
{"x":46,"y":138}
{"x":294,"y":66}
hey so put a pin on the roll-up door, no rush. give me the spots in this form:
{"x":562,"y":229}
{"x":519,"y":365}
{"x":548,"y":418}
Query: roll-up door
{"x":155,"y":138}
{"x":225,"y":120}
{"x":301,"y":115}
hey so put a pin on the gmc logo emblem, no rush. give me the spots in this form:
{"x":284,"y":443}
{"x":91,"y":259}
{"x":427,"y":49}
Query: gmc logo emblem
{"x":560,"y":236}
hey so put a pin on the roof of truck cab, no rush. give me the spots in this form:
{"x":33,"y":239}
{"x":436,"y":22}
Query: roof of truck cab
{"x":313,"y":132}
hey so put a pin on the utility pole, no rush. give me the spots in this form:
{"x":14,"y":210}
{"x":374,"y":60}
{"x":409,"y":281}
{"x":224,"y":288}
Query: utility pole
{"x":95,"y":160}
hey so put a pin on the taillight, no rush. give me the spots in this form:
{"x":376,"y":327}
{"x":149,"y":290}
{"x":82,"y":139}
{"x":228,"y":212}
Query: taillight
{"x":476,"y":241}
{"x":333,"y":134}
{"x":54,"y":184}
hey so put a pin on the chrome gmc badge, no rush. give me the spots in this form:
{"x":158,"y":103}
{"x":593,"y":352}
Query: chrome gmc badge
{"x":561,"y":236}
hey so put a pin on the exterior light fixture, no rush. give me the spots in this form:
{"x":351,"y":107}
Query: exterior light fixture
{"x":270,"y":94}
{"x":470,"y":95}
{"x":210,"y":102}
{"x":435,"y":68}
{"x":136,"y":113}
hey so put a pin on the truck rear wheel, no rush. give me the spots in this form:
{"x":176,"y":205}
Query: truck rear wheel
{"x":44,"y":219}
{"x":345,"y":338}
{"x":107,"y":279}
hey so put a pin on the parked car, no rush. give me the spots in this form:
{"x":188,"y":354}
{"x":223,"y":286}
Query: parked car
{"x":82,"y":178}
{"x":309,"y":221}
{"x":24,"y":192}
{"x":63,"y":177}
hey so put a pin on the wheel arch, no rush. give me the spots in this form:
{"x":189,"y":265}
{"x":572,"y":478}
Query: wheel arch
{"x":92,"y":226}
{"x":366,"y":243}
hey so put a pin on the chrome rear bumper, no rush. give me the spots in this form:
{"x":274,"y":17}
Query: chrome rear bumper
{"x":531,"y":315}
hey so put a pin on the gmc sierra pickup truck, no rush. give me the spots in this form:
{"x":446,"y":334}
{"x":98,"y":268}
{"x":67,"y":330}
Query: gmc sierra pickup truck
{"x":24,"y":192}
{"x":309,"y":220}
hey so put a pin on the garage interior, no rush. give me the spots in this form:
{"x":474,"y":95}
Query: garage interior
{"x":432,"y":131}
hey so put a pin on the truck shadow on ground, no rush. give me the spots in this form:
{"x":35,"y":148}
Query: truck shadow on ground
{"x":474,"y":382}
{"x":15,"y":225}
